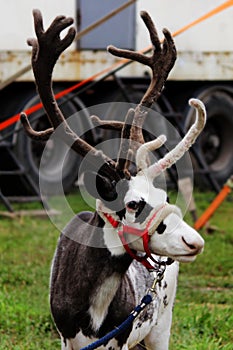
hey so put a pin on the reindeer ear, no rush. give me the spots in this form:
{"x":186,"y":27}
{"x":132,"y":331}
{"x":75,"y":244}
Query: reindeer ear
{"x":99,"y":186}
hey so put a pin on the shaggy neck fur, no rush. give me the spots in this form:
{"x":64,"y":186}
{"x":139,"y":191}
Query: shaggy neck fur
{"x":88,"y":297}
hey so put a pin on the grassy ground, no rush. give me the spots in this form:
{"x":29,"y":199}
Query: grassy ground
{"x":202,"y":318}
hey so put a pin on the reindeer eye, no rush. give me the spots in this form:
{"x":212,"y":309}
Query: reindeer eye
{"x":161,"y":228}
{"x":133,"y":205}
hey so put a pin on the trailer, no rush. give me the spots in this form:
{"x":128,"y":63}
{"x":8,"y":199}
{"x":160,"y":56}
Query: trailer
{"x":204,"y":69}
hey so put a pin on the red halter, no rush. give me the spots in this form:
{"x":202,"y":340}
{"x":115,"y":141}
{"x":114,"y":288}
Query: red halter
{"x":139,"y":233}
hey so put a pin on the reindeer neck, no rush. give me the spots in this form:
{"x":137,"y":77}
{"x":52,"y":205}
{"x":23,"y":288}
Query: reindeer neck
{"x":98,"y":241}
{"x":91,"y":273}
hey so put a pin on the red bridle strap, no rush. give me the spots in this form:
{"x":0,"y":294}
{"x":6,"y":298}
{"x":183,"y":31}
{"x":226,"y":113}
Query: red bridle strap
{"x":144,"y":234}
{"x":145,"y":237}
{"x":112,"y":221}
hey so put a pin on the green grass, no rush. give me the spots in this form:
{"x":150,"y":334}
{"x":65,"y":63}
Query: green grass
{"x":202,"y":317}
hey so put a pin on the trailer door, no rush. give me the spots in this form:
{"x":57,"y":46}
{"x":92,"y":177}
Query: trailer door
{"x":118,"y":30}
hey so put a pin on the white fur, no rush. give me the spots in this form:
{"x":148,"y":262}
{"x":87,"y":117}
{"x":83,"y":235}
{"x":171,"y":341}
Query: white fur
{"x":80,"y":341}
{"x":171,"y":242}
{"x":101,"y":300}
{"x":140,"y":187}
{"x":112,"y":240}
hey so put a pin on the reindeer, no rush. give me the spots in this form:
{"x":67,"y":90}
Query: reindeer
{"x":105,"y":261}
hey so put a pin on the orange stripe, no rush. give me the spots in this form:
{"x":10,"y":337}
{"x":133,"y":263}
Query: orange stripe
{"x":15,"y":118}
{"x":212,"y":208}
{"x":30,"y":110}
{"x":213,"y":12}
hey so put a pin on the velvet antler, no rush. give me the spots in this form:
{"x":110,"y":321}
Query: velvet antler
{"x":161,"y":62}
{"x":46,"y":49}
{"x":181,"y":148}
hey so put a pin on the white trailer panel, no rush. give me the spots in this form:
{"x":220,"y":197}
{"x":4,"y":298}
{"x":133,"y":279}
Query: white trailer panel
{"x":16,"y":19}
{"x":205,"y":51}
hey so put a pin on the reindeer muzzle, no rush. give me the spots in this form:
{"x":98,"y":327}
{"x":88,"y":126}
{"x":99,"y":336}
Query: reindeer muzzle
{"x":156,"y":217}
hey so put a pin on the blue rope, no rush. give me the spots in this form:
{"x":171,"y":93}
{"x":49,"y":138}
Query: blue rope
{"x":147,"y":299}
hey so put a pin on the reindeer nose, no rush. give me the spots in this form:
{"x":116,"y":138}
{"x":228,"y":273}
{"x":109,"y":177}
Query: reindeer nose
{"x":196,"y":246}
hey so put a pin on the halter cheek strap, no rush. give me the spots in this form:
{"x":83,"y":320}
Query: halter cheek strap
{"x":145,"y":237}
{"x":144,"y":234}
{"x":111,"y":220}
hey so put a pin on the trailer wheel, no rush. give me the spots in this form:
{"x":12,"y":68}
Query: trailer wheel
{"x":55,"y":158}
{"x":216,"y":141}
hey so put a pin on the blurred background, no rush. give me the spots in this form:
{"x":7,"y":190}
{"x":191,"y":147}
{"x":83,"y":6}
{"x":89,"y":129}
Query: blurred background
{"x":87,"y":75}
{"x":91,"y":81}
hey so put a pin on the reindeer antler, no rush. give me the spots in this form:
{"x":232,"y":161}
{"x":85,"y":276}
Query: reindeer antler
{"x":182,"y":147}
{"x":46,"y":49}
{"x":161,"y":62}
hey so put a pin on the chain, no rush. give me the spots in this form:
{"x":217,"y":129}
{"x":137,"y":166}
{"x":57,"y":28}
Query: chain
{"x":159,"y":276}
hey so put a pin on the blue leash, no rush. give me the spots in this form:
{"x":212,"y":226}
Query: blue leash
{"x":147,"y":299}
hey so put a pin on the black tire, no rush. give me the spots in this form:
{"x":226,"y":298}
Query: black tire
{"x":216,"y":141}
{"x":56,"y":157}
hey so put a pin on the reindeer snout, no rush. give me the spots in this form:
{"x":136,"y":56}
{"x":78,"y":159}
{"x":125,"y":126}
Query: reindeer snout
{"x":195,"y":246}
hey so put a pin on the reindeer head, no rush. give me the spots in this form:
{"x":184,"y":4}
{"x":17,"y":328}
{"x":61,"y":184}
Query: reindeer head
{"x":124,"y":193}
{"x":144,"y":210}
